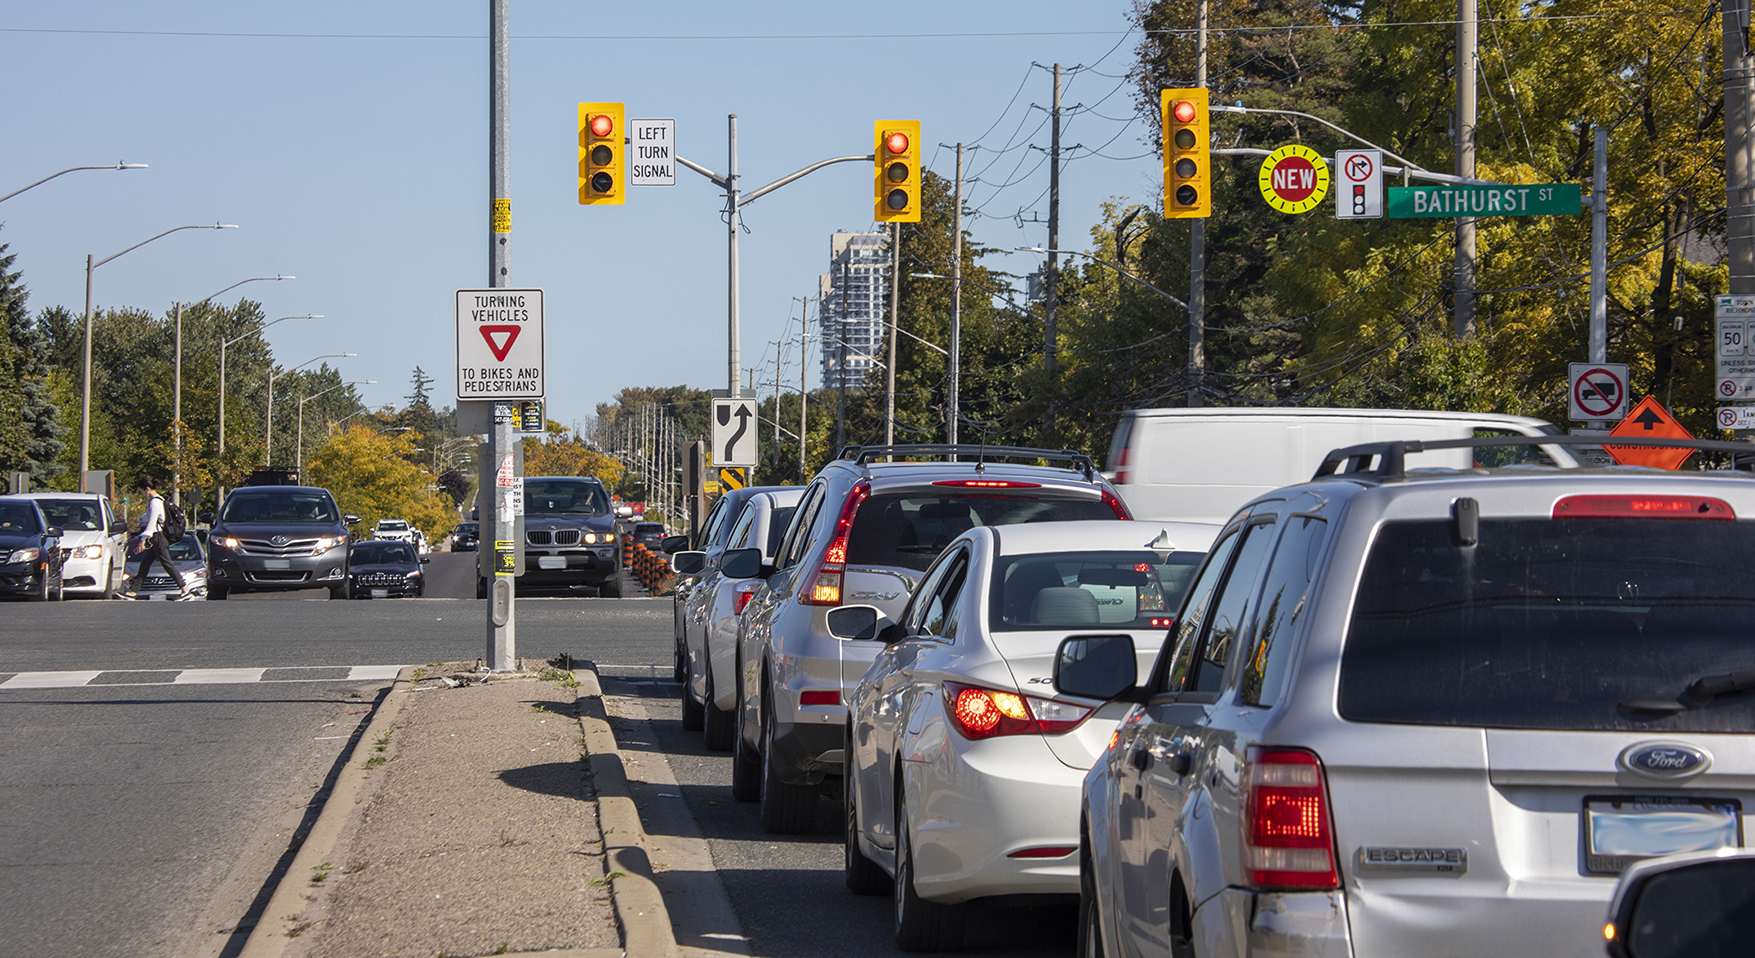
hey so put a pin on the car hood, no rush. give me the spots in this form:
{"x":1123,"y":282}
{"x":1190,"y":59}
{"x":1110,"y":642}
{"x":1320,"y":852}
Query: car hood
{"x":72,"y":538}
{"x":268,"y":530}
{"x":18,"y":542}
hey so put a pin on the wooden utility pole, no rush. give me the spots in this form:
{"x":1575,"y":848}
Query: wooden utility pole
{"x":1466,"y":36}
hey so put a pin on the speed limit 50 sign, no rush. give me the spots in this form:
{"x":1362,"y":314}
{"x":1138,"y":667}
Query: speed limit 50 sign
{"x":1734,"y":319}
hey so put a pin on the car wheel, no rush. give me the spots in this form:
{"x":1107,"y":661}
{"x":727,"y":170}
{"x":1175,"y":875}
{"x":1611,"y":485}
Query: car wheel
{"x":718,"y":725}
{"x":111,"y":586}
{"x":342,"y":591}
{"x":746,"y":765}
{"x":921,"y":925}
{"x":1090,"y":932}
{"x":691,"y":709}
{"x":612,"y":586}
{"x":481,"y":587}
{"x":864,"y":877}
{"x":41,"y":594}
{"x":786,"y":809}
{"x":679,"y":661}
{"x":216,"y":593}
{"x":60,"y":588}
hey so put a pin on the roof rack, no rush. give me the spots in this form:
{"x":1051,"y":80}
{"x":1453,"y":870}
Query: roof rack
{"x":1391,"y":457}
{"x":860,"y":455}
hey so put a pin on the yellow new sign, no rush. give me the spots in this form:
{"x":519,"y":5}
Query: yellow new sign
{"x":1294,"y":179}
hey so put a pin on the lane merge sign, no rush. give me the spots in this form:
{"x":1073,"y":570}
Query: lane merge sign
{"x":734,"y":432}
{"x":499,"y":344}
{"x":1293,"y":179}
{"x":1598,"y":392}
{"x":1360,"y":196}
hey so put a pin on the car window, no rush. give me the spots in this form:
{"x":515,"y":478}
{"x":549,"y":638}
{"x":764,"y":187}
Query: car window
{"x":375,"y":553}
{"x":715,"y":515}
{"x":739,"y":538}
{"x":940,"y":617}
{"x":777,"y":522}
{"x":185,"y":549}
{"x":1553,"y":624}
{"x":1124,"y":589}
{"x":798,"y":535}
{"x":924,"y":593}
{"x":909,"y":530}
{"x":1194,"y":609}
{"x":1283,"y":599}
{"x":1229,"y":610}
{"x":278,"y":506}
{"x":73,"y":515}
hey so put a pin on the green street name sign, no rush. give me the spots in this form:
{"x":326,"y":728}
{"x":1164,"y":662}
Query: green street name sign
{"x":1532,"y":199}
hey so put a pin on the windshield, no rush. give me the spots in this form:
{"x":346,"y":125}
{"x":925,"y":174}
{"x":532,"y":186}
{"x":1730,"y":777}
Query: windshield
{"x":185,"y":549}
{"x":910,"y":530}
{"x":1072,"y":590}
{"x":465,"y":529}
{"x":82,"y":515}
{"x":18,"y":519}
{"x":570,"y":496}
{"x":381,"y":553}
{"x":1552,"y":624}
{"x":251,"y":505}
{"x":392,"y":525}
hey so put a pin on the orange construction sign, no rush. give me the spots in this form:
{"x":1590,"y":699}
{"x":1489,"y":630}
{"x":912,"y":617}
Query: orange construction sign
{"x":1649,"y":420}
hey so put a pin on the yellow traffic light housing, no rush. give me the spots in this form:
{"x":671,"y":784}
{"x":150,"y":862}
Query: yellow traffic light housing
{"x":896,"y":171}
{"x":1188,"y":181}
{"x":603,"y":178}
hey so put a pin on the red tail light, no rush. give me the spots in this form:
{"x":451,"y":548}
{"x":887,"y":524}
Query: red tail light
{"x":984,"y":713}
{"x":1046,"y":851}
{"x":1287,"y":839}
{"x":1114,"y":503}
{"x":741,"y":594}
{"x":824,"y":588}
{"x":988,"y":484}
{"x":1121,"y":468}
{"x":1642,"y":507}
{"x":820,"y":697}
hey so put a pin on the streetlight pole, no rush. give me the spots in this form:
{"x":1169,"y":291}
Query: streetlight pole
{"x":299,"y":457}
{"x":72,"y":169}
{"x":177,"y":383}
{"x":268,"y":431}
{"x":85,"y":397}
{"x":239,"y":339}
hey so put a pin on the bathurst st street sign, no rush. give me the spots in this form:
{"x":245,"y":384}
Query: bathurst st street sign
{"x":1460,"y":199}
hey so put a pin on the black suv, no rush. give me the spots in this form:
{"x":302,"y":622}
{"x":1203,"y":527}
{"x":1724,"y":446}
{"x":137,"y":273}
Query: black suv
{"x":276,"y":539}
{"x":570,"y":538}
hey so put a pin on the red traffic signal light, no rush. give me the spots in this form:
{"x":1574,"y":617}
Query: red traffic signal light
{"x":602,"y":124}
{"x":896,"y":174}
{"x":1184,"y":111}
{"x":1187,"y":177}
{"x":896,"y":142}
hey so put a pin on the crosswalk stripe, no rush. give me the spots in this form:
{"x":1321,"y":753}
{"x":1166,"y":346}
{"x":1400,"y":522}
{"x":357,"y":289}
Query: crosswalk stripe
{"x":370,"y":673}
{"x":217,"y":676}
{"x":76,"y":679}
{"x":48,"y":680}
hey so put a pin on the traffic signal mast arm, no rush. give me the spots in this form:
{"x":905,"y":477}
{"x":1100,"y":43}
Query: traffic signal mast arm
{"x":755,"y":194}
{"x":1408,"y":168}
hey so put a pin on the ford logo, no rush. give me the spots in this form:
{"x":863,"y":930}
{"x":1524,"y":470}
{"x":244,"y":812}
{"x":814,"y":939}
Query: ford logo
{"x":1664,"y":760}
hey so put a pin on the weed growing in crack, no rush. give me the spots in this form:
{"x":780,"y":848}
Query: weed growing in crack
{"x":321,"y":872}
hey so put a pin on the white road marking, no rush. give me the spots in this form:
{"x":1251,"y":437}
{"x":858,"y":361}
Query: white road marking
{"x":83,"y":678}
{"x":48,"y":680}
{"x":217,"y":676}
{"x":368,"y":673}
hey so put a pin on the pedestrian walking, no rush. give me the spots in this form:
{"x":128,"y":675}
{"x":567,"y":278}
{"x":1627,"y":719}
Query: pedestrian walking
{"x":154,"y":541}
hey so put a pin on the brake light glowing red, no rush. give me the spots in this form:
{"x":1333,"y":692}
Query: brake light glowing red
{"x":825,"y":586}
{"x":1643,"y":507}
{"x":820,"y":697}
{"x":1115,"y":504}
{"x":1163,"y":622}
{"x":984,"y":713}
{"x":988,"y":484}
{"x":1287,"y":839}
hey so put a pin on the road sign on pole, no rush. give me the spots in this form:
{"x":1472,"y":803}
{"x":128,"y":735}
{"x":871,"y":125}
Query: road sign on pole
{"x":1294,"y":179}
{"x":1649,"y":420}
{"x":1733,"y":319}
{"x":1361,"y":194}
{"x":499,"y":344}
{"x":1470,"y":199}
{"x":1598,"y":392}
{"x":734,"y":432}
{"x":1736,"y":417}
{"x":652,"y":153}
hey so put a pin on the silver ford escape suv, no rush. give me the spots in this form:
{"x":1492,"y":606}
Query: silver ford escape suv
{"x":1427,"y":713}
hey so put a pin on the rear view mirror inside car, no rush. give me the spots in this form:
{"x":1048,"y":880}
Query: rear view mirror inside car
{"x":741,"y":563}
{"x":688,"y":563}
{"x":854,"y":622}
{"x":1112,"y":577}
{"x":1095,"y":666}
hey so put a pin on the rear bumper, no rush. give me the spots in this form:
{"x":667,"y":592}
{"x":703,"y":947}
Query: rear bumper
{"x":805,"y":754}
{"x":1284,"y":925}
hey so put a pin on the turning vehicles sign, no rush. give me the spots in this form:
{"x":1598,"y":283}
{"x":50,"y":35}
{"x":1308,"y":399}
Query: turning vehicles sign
{"x":499,"y":344}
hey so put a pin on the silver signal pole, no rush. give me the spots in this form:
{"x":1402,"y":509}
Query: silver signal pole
{"x":502,"y":646}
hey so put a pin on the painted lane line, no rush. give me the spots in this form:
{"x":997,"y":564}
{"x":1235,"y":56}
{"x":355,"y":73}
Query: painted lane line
{"x":367,"y":673}
{"x":217,"y":676}
{"x":48,"y":680}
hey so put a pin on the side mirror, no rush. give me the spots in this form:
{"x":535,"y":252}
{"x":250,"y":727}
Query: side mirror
{"x":118,"y":527}
{"x":688,"y":563}
{"x":1695,"y":904}
{"x":350,"y":518}
{"x":854,"y":622}
{"x":53,"y":532}
{"x":741,"y":563}
{"x":426,"y":560}
{"x":624,"y":512}
{"x":1095,"y":666}
{"x":671,"y":545}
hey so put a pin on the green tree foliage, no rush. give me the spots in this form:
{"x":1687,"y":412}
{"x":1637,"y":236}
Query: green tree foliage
{"x":371,"y":475}
{"x":30,"y":431}
{"x":564,"y":452}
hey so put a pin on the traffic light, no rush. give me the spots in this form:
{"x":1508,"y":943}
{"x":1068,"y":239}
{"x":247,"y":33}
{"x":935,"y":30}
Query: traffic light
{"x":1188,"y":180}
{"x":603,"y":180}
{"x":896,"y":171}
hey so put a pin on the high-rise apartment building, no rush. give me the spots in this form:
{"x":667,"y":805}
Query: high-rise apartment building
{"x":855,"y":306}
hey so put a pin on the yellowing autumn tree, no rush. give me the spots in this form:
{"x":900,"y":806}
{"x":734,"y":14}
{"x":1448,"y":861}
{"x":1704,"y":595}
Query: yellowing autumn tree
{"x":367,"y":473}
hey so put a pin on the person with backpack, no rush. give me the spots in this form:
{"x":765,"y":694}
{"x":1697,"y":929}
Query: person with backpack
{"x":162,"y":523}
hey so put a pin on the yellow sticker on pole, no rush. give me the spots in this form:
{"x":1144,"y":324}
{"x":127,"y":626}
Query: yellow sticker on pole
{"x":502,"y":216}
{"x":1294,"y":179}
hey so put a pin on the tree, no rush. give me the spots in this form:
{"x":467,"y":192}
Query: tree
{"x":30,"y":440}
{"x":561,"y":452}
{"x":370,"y":476}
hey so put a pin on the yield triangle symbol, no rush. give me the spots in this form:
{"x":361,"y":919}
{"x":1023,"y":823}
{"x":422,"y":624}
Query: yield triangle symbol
{"x":500,"y":337}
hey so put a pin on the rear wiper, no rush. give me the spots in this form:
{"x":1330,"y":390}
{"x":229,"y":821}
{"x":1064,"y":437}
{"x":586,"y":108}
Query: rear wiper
{"x":1701,"y":691}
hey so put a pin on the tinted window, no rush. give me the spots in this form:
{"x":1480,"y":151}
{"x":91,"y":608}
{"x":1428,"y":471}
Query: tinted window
{"x":380,"y":553}
{"x":18,"y":519}
{"x":393,"y":525}
{"x":563,"y":496}
{"x":81,"y":515}
{"x":1195,"y":612}
{"x":715,"y":516}
{"x":465,"y":529}
{"x":1125,"y":590}
{"x":1230,"y":610}
{"x":798,"y":535}
{"x":1551,"y":624}
{"x":185,"y":548}
{"x":909,"y":531}
{"x":923,"y":595}
{"x":251,"y":505}
{"x":1282,"y":608}
{"x":777,"y":522}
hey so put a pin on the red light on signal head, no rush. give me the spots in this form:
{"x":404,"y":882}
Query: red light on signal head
{"x":1183,"y":111}
{"x":602,"y":125}
{"x":896,"y":142}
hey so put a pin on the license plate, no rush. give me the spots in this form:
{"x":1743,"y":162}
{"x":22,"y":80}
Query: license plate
{"x":551,"y":562}
{"x":1623,"y":829}
{"x":380,"y":593}
{"x":276,"y":563}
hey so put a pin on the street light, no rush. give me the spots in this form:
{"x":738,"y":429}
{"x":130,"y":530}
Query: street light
{"x":85,"y":398}
{"x":268,"y":430}
{"x":300,"y":458}
{"x":72,"y":169}
{"x":222,"y":349}
{"x":177,"y":381}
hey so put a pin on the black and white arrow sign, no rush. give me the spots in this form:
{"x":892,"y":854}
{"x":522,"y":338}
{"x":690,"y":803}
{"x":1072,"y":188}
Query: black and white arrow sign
{"x":734,"y":432}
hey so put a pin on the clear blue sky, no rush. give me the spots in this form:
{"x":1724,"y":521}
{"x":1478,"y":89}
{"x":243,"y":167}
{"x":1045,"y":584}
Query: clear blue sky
{"x":349,"y":141}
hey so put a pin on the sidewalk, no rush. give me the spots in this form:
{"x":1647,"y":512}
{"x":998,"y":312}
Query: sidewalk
{"x":477,"y":815}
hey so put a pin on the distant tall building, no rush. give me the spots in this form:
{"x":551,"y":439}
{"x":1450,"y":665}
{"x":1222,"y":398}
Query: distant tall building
{"x":855,"y":306}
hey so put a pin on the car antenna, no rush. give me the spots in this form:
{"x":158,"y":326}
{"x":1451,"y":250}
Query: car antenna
{"x":1162,"y":546}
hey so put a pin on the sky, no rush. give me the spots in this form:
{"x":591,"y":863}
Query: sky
{"x":349,"y":142}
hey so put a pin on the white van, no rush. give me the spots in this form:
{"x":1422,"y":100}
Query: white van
{"x":1200,"y":464}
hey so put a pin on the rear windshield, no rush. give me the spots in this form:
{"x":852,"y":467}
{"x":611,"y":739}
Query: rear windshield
{"x":377,"y":553}
{"x":648,"y":528}
{"x":273,"y":505}
{"x":561,"y":496}
{"x":909,"y":531}
{"x":83,"y":515}
{"x":1075,"y":590}
{"x":1553,"y":624}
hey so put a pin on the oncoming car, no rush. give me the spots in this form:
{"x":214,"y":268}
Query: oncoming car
{"x":278,"y":538}
{"x":385,"y":569}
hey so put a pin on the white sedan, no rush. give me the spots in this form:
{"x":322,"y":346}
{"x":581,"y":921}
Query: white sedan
{"x":964,"y":766}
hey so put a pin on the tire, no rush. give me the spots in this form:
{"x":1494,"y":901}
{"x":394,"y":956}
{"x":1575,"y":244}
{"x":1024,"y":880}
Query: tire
{"x":921,"y":925}
{"x":60,"y":588}
{"x":42,"y":592}
{"x":216,"y":593}
{"x":342,"y":591}
{"x":612,"y":587}
{"x":786,"y":809}
{"x":746,"y":766}
{"x":679,"y":661}
{"x":480,"y":587}
{"x":718,"y":725}
{"x":1090,"y":930}
{"x":864,"y":877}
{"x":692,"y":712}
{"x":111,"y":587}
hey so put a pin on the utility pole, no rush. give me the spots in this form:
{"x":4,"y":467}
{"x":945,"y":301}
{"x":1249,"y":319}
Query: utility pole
{"x":1739,"y":79}
{"x":1051,"y":282}
{"x":1599,"y":249}
{"x":957,"y":299}
{"x":1466,"y":37}
{"x":1197,"y":247}
{"x":804,"y":376}
{"x":890,"y":372}
{"x":502,"y":646}
{"x":779,"y":368}
{"x":731,"y":208}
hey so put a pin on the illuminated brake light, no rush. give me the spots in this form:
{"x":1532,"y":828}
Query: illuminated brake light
{"x":984,"y":713}
{"x":820,"y":697}
{"x":825,"y":587}
{"x":1287,"y":841}
{"x":1163,"y":622}
{"x":1642,"y":507}
{"x":988,"y":484}
{"x":1116,"y":505}
{"x":1046,"y":851}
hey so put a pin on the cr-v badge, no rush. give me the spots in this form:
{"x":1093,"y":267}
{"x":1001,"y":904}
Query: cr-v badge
{"x":1664,"y":760}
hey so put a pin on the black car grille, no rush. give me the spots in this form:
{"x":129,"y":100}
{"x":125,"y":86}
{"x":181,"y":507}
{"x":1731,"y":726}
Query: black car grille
{"x":293,"y":547}
{"x":537,"y":537}
{"x":381,"y":578}
{"x":566,"y":537}
{"x":266,"y":576}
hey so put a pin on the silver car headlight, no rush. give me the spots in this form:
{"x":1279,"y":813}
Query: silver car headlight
{"x":25,"y":555}
{"x":88,"y":552}
{"x":325,"y":543}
